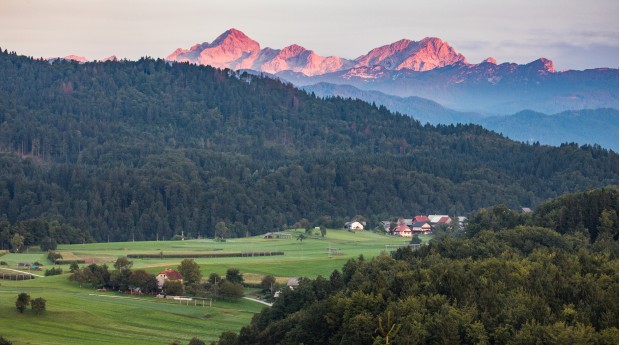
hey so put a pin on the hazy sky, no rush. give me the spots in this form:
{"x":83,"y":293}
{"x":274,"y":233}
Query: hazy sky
{"x":574,"y":34}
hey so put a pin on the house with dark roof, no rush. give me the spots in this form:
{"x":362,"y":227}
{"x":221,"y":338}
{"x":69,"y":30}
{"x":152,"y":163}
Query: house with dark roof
{"x":421,"y":228}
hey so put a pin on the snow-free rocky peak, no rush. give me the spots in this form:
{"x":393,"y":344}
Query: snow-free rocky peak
{"x":234,"y":50}
{"x":424,"y":55}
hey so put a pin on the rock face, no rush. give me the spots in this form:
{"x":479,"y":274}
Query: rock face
{"x":298,"y":59}
{"x":234,"y":50}
{"x":424,"y":55}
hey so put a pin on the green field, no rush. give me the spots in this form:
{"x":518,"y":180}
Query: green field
{"x":84,"y":316}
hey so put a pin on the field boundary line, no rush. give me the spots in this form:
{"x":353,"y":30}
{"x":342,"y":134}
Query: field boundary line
{"x":155,"y":300}
{"x":32,"y":274}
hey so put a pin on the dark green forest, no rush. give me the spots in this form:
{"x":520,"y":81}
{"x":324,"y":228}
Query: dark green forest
{"x":147,"y":149}
{"x":508,"y":278}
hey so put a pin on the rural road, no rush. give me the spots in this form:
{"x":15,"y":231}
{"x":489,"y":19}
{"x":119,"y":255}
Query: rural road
{"x":259,"y":301}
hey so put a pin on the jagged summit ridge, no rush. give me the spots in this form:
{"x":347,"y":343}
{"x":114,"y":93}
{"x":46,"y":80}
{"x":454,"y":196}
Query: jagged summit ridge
{"x":424,"y":55}
{"x":233,"y":49}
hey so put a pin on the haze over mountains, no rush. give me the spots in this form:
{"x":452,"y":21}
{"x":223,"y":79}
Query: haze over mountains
{"x":585,"y":126}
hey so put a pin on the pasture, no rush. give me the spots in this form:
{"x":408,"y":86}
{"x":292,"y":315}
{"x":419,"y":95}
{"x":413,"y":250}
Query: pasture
{"x":84,"y":316}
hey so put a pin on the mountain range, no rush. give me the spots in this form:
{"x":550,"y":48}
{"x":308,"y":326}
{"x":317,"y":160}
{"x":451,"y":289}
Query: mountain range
{"x":429,"y":68}
{"x":235,"y":50}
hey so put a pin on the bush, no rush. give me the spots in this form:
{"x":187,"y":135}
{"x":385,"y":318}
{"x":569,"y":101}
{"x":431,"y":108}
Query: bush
{"x":228,"y":338}
{"x":268,"y":282}
{"x":74,"y":266}
{"x":53,"y":256}
{"x":4,"y":341}
{"x":196,"y":341}
{"x":53,"y":271}
{"x":38,"y":305}
{"x":23,"y":301}
{"x":173,"y":288}
{"x":234,"y":276}
{"x":229,"y":290}
{"x":416,"y":240}
{"x":3,"y":263}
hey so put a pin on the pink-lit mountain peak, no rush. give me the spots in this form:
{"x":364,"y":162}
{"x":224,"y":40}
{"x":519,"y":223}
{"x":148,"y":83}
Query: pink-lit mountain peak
{"x":235,"y":50}
{"x":292,"y":51}
{"x":423,"y":55}
{"x":234,"y":38}
{"x":232,"y":49}
{"x":79,"y":59}
{"x":542,"y":66}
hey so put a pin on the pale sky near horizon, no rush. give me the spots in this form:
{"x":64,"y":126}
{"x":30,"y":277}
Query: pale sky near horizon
{"x":574,"y":34}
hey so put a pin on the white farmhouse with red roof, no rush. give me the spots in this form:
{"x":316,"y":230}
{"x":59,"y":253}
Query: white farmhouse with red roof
{"x":168,"y":275}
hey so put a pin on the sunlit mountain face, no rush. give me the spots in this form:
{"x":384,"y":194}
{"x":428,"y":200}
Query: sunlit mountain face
{"x":429,"y":68}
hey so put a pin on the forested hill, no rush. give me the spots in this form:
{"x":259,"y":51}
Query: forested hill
{"x":550,"y":277}
{"x":148,"y":149}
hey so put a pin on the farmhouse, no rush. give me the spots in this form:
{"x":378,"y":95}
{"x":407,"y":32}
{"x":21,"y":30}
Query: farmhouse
{"x":420,"y":224}
{"x":437,"y":219}
{"x":168,"y":275}
{"x":421,"y":228}
{"x":402,"y":230}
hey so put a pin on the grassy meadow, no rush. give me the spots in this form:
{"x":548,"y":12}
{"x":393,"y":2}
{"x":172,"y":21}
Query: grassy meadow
{"x":85,"y":316}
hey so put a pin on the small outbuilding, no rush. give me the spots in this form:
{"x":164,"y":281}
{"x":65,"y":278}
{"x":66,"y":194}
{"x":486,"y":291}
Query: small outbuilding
{"x":357,"y":226}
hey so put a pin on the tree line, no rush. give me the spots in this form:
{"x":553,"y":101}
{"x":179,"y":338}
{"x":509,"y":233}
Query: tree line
{"x":124,"y":278}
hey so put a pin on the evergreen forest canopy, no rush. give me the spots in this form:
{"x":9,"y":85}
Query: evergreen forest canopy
{"x":149,"y":149}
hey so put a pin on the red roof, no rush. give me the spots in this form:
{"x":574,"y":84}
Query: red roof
{"x":172,"y":275}
{"x":419,"y":219}
{"x":402,"y":228}
{"x":444,"y":220}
